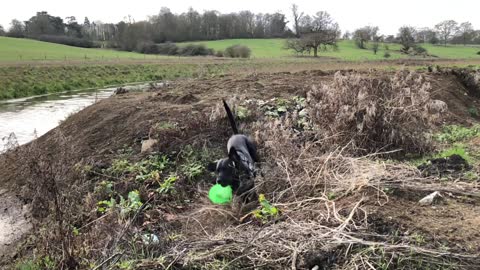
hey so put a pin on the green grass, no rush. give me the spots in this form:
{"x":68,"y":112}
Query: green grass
{"x":23,"y":81}
{"x":13,"y":49}
{"x":274,"y":48}
{"x":18,"y":49}
{"x":453,"y":51}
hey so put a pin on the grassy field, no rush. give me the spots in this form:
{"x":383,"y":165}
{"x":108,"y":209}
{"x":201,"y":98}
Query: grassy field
{"x":17,"y":49}
{"x":25,"y":72}
{"x":273,"y":48}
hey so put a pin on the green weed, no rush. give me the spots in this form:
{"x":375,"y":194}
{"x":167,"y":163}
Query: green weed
{"x":456,"y":149}
{"x":45,"y":263}
{"x":454,"y":133}
{"x":168,"y":184}
{"x":267,"y":211}
{"x":473,"y":111}
{"x":130,"y":205}
{"x":165,"y":126}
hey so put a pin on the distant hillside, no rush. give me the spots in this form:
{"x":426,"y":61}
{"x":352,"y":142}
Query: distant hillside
{"x":19,"y":49}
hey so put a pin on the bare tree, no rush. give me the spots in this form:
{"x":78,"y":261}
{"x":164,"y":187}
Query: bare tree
{"x":446,"y":29}
{"x":297,"y":17}
{"x":320,"y":33}
{"x":17,"y":29}
{"x":323,"y":32}
{"x":406,"y":37}
{"x":466,"y":32}
{"x":364,"y":35}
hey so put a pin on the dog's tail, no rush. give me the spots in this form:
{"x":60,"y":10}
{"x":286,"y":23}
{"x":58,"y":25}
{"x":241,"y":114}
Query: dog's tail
{"x":231,"y":118}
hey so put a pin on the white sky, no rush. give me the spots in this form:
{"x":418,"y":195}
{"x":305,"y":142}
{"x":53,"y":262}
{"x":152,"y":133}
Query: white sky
{"x":350,"y":14}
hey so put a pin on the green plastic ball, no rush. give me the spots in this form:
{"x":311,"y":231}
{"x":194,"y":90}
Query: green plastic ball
{"x":220,"y":195}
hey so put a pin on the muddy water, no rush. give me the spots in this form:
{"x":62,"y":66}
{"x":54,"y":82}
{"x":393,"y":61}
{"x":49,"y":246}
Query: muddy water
{"x":30,"y":117}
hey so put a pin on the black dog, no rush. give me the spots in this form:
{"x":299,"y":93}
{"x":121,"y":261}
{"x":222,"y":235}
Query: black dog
{"x":238,"y":170}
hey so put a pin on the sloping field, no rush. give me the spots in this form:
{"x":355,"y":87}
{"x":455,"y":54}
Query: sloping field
{"x":19,"y":49}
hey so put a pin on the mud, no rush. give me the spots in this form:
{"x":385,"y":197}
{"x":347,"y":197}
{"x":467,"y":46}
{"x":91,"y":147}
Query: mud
{"x":451,"y":165}
{"x":14,"y":223}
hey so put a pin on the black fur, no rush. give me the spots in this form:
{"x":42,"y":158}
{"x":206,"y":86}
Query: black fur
{"x":238,"y":170}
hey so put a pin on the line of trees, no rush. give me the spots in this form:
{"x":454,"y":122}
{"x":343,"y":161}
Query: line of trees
{"x":310,"y":33}
{"x":445,"y":32}
{"x":164,"y":27}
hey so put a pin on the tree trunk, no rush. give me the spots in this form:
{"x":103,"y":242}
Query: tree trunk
{"x":315,"y":49}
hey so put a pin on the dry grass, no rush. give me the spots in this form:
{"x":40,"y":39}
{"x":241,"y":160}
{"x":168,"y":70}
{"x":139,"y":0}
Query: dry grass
{"x":371,"y":114}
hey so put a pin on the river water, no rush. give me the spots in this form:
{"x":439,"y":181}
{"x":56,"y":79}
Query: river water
{"x":30,"y":117}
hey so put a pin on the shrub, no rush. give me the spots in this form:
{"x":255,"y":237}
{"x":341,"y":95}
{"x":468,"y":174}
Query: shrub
{"x":370,"y":115}
{"x":419,"y":50}
{"x":195,"y":50}
{"x":147,"y":47}
{"x":168,"y":48}
{"x":66,"y":40}
{"x":219,"y":54}
{"x":238,"y":51}
{"x":478,"y":52}
{"x":386,"y":55}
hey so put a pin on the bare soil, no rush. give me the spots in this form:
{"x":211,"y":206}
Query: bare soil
{"x":14,"y":223}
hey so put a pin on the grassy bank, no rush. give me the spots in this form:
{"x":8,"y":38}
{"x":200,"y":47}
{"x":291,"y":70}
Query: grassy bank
{"x":17,"y":82}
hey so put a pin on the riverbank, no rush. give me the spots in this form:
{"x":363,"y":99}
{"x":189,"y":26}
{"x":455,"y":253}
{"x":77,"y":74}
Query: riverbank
{"x":25,"y":79}
{"x":123,"y":208}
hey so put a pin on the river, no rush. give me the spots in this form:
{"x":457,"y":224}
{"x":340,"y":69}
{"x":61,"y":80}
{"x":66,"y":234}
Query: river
{"x":27,"y":118}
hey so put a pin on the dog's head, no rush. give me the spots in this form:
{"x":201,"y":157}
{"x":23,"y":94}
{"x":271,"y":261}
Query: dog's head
{"x":225,"y":170}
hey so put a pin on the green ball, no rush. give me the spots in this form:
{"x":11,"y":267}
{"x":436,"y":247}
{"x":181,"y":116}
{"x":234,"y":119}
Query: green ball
{"x":220,"y":195}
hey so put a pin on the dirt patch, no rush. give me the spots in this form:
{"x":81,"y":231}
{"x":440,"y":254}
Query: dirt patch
{"x":454,"y":224}
{"x":14,"y":223}
{"x":451,"y":165}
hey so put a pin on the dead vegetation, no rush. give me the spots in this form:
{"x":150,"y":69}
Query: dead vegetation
{"x":325,"y":182}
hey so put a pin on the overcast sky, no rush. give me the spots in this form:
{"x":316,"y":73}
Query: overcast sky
{"x":350,"y":14}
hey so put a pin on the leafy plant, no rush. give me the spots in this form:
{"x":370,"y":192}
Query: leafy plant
{"x":129,"y":205}
{"x":241,"y":112}
{"x":267,"y":211}
{"x":168,"y":184}
{"x":105,"y":205}
{"x":456,"y":149}
{"x":104,"y":187}
{"x":473,"y":111}
{"x":132,"y":204}
{"x":45,"y":263}
{"x":192,"y":170}
{"x":454,"y":133}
